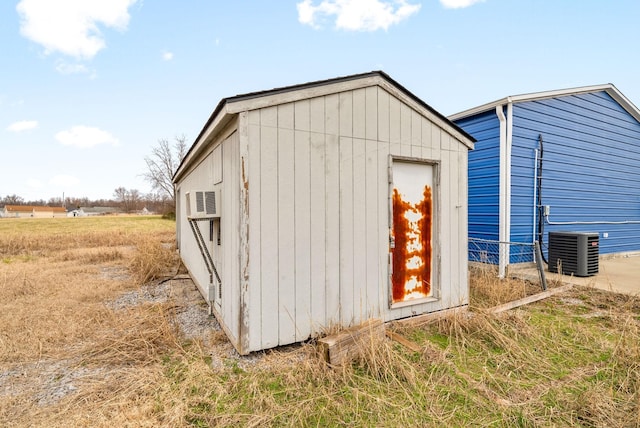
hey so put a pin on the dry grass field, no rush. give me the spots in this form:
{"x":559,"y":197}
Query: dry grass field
{"x":86,"y":340}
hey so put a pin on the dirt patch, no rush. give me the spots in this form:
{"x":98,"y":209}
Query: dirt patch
{"x":54,"y":380}
{"x":114,"y":273}
{"x":571,"y":301}
{"x":158,"y":292}
{"x":196,"y":325}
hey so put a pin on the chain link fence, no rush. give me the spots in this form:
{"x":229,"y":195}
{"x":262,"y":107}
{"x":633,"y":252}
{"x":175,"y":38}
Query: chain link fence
{"x":520,"y":255}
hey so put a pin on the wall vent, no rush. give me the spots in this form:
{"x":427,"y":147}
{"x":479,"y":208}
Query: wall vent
{"x":574,"y":253}
{"x":203,"y":204}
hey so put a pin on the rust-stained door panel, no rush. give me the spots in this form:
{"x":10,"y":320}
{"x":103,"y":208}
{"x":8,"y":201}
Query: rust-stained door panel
{"x":412,"y":229}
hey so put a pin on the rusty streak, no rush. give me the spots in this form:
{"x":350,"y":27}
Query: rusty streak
{"x":411,"y":278}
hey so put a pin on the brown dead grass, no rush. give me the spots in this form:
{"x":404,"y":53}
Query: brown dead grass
{"x":67,"y":358}
{"x":151,"y":260}
{"x":487,"y":290}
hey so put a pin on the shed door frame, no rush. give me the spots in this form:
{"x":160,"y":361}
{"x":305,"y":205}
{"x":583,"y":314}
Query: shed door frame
{"x":435,"y":231}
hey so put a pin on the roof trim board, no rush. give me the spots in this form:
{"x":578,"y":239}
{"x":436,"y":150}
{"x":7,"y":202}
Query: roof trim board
{"x":255,"y":100}
{"x":535,"y":96}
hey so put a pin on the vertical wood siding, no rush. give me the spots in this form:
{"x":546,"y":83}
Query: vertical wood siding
{"x":230,"y":248}
{"x":591,"y":169}
{"x":255,"y":237}
{"x":319,"y":213}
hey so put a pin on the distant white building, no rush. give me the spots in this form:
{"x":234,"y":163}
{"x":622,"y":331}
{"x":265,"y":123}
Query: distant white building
{"x":93,"y":211}
{"x":144,"y":211}
{"x":78,"y":212}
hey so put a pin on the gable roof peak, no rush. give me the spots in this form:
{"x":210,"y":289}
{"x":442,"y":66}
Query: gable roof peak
{"x":609,"y":88}
{"x":230,"y":106}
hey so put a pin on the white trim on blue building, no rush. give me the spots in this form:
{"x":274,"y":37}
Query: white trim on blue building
{"x":591,"y":173}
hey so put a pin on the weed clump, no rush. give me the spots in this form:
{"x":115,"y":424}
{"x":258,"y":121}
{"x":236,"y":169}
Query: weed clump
{"x":152,"y":260}
{"x":488,"y":290}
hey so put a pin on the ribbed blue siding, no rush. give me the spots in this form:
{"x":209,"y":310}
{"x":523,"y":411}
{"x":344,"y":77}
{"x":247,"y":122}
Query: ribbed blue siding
{"x":484,"y":175}
{"x":591,"y":170}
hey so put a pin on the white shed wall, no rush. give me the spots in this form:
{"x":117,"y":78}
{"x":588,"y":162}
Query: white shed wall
{"x":318,"y":189}
{"x":203,"y":176}
{"x":196,"y":180}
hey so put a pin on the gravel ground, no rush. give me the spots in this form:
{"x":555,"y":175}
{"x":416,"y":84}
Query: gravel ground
{"x":192,"y":316}
{"x":152,"y":293}
{"x":195,"y":323}
{"x":48,"y":381}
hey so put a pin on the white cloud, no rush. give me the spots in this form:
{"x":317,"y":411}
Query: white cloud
{"x":356,"y":15}
{"x":34,"y":183}
{"x":84,"y":137}
{"x":167,"y":56}
{"x":65,"y":68}
{"x":71,"y":27}
{"x":458,"y":4}
{"x":63,"y":180}
{"x":22,"y":125}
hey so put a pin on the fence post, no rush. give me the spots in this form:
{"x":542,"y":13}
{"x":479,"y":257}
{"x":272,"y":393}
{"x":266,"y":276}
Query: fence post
{"x":503,"y":254}
{"x":540,"y":266}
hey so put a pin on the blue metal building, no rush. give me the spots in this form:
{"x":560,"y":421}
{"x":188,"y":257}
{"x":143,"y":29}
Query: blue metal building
{"x":565,"y":160}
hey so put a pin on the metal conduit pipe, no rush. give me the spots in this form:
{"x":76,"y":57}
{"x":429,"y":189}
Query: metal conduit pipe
{"x":534,"y":223}
{"x":539,"y":192}
{"x":562,"y":223}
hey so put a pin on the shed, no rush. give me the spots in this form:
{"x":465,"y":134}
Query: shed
{"x":563,"y":160}
{"x":322,"y":205}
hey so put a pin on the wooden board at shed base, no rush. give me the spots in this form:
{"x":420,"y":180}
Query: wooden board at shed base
{"x":432,"y":316}
{"x":342,"y":347}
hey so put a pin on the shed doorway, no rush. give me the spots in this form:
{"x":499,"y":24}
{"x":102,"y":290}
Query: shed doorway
{"x":412,"y":214}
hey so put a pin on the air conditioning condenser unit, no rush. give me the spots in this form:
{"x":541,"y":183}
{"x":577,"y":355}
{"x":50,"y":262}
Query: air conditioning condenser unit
{"x":574,"y":253}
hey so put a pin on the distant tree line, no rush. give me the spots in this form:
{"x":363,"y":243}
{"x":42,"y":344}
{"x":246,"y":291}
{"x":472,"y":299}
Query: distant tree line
{"x":163,"y":162}
{"x":127,"y":200}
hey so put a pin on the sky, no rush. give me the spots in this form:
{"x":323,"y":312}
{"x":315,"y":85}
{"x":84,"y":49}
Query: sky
{"x":88,"y":87}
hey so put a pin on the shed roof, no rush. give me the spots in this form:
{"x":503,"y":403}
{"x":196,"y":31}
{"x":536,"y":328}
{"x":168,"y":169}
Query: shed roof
{"x":609,"y":88}
{"x":254,"y":100}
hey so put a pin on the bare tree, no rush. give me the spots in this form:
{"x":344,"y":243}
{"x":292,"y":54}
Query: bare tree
{"x":130,"y":200}
{"x":120,"y":194}
{"x":135,"y":200}
{"x":74,"y":202}
{"x":163,"y":163}
{"x":159,"y":202}
{"x":13,"y":200}
{"x":56,"y":201}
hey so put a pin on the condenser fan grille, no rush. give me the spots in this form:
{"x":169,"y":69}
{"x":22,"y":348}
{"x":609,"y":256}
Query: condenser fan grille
{"x":574,"y":253}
